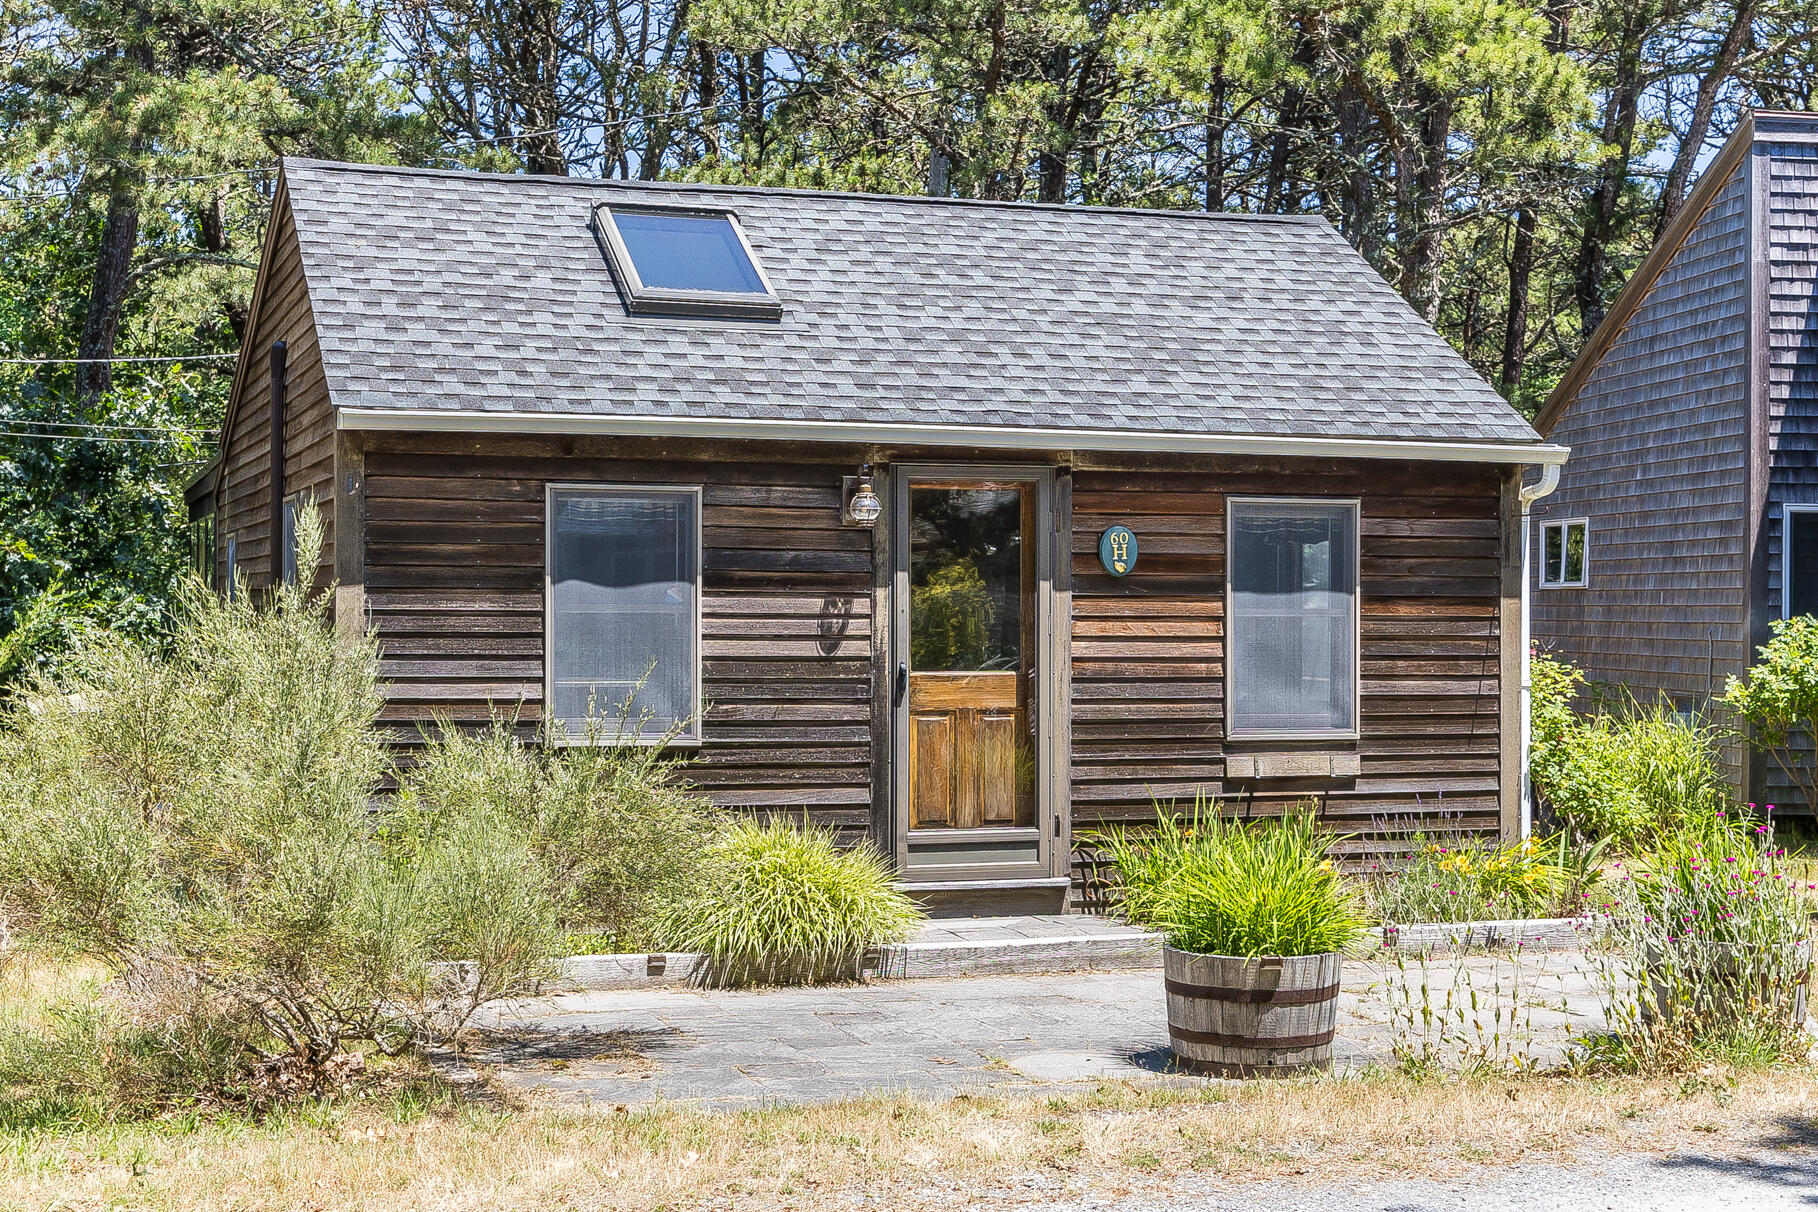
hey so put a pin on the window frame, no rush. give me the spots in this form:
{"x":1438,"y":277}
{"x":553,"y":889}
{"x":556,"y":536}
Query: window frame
{"x":290,"y":565}
{"x":202,"y":548}
{"x":1787,"y":510}
{"x":643,"y":300}
{"x":1584,"y":569}
{"x":1232,"y":731}
{"x":556,"y":727}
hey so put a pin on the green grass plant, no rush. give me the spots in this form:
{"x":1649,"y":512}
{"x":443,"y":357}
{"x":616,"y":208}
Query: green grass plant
{"x":788,"y":905}
{"x":1221,"y":887}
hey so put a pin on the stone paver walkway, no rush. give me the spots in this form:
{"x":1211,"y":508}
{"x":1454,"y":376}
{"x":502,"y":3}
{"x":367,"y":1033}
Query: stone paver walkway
{"x":940,"y":1037}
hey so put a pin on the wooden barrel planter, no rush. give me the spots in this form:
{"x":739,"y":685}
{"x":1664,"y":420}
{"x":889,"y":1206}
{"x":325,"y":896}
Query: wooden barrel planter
{"x":1235,"y":1017}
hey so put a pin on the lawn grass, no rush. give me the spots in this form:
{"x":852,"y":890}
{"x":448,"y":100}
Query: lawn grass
{"x":420,"y":1143}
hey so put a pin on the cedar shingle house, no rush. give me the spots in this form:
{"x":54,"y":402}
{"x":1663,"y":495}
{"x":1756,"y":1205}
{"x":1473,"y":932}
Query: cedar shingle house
{"x":965,"y":526}
{"x":1688,"y":517}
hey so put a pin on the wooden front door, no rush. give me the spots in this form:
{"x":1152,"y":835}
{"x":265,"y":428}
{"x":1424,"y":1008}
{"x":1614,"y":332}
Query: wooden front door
{"x":972,"y":643}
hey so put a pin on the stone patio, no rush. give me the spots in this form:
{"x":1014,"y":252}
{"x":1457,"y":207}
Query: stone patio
{"x":938,"y":1037}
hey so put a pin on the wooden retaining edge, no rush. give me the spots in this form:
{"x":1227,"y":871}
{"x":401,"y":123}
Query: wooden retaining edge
{"x":1081,"y":953}
{"x":1531,"y":934}
{"x":1084,"y":953}
{"x":656,"y":970}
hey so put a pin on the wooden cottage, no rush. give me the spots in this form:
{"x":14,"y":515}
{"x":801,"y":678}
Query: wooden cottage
{"x":914,"y":513}
{"x":1688,"y":517}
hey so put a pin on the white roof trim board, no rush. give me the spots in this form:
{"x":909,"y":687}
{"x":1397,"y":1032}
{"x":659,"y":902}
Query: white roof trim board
{"x":446,"y":421}
{"x":485,"y":302}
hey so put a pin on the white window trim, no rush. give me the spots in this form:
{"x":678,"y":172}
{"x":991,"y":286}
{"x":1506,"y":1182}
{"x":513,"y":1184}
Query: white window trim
{"x":1232,"y":732}
{"x":1786,"y":555}
{"x":694,"y":735}
{"x":1584,"y":569}
{"x":668,"y":301}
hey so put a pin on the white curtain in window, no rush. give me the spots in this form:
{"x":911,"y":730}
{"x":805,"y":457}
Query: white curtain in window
{"x":624,"y":571}
{"x":1293,"y":627}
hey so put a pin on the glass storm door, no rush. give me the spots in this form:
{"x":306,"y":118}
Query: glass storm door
{"x":971,"y":647}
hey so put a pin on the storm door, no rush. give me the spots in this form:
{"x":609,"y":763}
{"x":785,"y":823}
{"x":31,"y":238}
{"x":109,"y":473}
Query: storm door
{"x":972,"y":649}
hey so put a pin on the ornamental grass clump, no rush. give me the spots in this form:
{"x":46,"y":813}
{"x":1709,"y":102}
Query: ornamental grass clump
{"x":1219,"y":887}
{"x":787,"y":905}
{"x":1714,"y":950}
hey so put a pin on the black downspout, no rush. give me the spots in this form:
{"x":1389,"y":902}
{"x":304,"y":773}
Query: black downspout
{"x":278,"y":351}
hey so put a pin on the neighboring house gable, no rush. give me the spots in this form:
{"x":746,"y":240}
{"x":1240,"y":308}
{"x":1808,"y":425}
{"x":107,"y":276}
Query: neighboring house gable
{"x":1659,"y":436}
{"x":1693,"y":422}
{"x":244,"y":514}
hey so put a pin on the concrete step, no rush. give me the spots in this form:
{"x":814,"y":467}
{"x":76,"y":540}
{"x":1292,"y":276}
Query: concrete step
{"x":996,"y":946}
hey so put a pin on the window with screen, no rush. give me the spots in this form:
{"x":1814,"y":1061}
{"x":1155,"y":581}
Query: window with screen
{"x":1292,"y":618}
{"x":1564,"y":557}
{"x":624,"y":612}
{"x":1800,"y":560}
{"x":684,"y":262}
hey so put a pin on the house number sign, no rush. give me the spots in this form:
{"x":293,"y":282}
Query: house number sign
{"x":1117,"y":550}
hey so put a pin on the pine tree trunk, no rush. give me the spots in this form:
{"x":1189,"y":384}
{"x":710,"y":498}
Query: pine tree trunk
{"x":107,"y":292}
{"x":1521,"y":274}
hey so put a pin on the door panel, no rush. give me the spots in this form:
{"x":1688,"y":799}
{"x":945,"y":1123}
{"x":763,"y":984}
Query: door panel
{"x":963,"y":729}
{"x":930,"y":768}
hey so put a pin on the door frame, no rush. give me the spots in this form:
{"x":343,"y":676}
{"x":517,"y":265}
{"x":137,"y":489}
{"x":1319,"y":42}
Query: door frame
{"x":1048,"y":702}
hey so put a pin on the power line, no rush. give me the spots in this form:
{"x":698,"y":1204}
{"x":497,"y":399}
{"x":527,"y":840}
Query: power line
{"x":82,"y":437}
{"x":96,"y":361}
{"x":183,"y":429}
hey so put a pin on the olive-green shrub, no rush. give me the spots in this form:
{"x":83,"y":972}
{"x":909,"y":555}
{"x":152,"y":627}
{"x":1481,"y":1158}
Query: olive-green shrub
{"x":622,"y":840}
{"x":1623,"y":775}
{"x":1778,"y":699}
{"x":200,"y":817}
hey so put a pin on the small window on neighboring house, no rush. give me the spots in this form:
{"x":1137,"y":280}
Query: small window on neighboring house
{"x":202,"y":549}
{"x":1799,"y":560}
{"x":624,"y":642}
{"x":1564,"y":553}
{"x":673,"y":261}
{"x":1292,"y":631}
{"x":291,"y":509}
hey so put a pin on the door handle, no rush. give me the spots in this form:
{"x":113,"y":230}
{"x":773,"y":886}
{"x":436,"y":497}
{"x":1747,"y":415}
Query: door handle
{"x":902,"y":684}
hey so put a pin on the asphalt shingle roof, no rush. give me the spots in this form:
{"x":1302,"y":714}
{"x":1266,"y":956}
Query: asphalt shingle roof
{"x":467,"y":291}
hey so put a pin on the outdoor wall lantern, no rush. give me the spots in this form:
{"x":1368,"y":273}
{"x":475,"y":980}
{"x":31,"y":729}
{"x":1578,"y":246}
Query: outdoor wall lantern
{"x":862,"y":505}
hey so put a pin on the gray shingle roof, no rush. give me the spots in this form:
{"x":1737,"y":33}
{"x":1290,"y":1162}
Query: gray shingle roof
{"x":465,"y":291}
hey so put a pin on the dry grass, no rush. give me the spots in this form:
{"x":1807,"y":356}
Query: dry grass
{"x":427,"y":1147}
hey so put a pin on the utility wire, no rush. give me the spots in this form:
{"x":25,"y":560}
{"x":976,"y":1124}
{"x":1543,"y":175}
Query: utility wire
{"x":82,"y":437}
{"x":184,"y":429}
{"x":95,"y":361}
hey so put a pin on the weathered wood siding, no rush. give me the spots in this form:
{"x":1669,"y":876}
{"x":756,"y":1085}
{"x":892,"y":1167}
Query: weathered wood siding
{"x":1789,"y":215}
{"x":1660,"y":449}
{"x":1148,"y":649}
{"x":281,"y":312}
{"x":454,"y":582}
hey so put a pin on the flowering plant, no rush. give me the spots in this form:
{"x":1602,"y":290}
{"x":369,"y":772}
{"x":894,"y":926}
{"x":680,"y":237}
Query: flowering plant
{"x":1714,"y":942}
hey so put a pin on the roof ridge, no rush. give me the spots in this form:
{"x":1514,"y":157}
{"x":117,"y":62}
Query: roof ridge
{"x":606,"y":183}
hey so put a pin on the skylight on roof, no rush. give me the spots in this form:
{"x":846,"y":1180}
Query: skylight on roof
{"x":685,"y":263}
